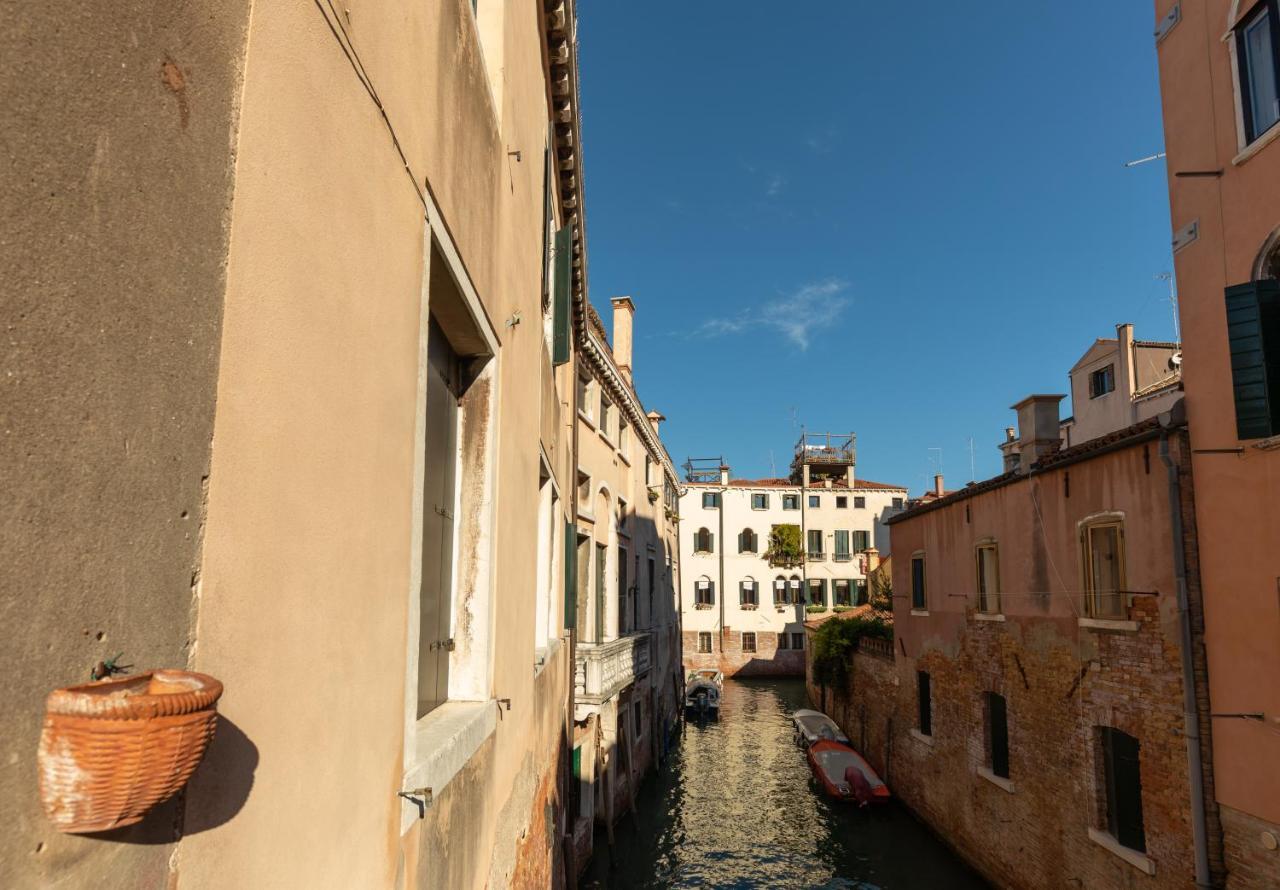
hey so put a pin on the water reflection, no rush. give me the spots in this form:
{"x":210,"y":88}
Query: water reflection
{"x":736,"y":808}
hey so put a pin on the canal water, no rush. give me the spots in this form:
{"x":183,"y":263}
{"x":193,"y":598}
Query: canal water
{"x":734,"y":807}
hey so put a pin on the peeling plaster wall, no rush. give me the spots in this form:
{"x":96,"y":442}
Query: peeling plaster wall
{"x":118,"y":126}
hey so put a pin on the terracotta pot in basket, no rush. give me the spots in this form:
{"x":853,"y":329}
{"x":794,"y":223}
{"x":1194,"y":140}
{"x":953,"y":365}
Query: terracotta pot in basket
{"x":111,"y":750}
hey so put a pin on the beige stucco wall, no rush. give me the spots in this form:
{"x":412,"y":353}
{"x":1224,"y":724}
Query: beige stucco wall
{"x":118,"y":124}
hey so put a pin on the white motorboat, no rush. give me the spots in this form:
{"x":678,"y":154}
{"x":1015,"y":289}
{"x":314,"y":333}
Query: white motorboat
{"x":813,"y":726}
{"x":702,"y":692}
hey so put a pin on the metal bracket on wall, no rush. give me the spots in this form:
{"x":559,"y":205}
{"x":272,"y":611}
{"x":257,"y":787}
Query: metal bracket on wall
{"x":1169,"y":22}
{"x":419,"y":797}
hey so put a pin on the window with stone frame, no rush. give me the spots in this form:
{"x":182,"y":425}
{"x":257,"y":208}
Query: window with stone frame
{"x":784,"y":642}
{"x":747,"y":593}
{"x":919,"y":596}
{"x":797,"y":639}
{"x":748,"y":641}
{"x":815,"y":501}
{"x":1102,"y":545}
{"x":704,"y":642}
{"x":996,"y":726}
{"x":842,"y":502}
{"x":924,"y":704}
{"x":710,"y":500}
{"x":1257,"y":39}
{"x":759,"y":501}
{"x":987,"y":567}
{"x":840,"y":549}
{"x":859,"y":502}
{"x":815,"y":544}
{"x":704,"y":593}
{"x":1120,"y":787}
{"x":703,"y":541}
{"x":817,"y":591}
{"x":791,"y":502}
{"x":840,"y":588}
{"x":748,"y":541}
{"x":602,"y":422}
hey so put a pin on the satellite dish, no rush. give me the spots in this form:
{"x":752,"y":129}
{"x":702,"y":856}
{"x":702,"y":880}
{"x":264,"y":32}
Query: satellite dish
{"x":1175,"y":361}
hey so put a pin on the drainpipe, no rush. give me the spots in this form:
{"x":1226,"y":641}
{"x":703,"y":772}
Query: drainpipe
{"x":724,"y":488}
{"x":1190,"y":706}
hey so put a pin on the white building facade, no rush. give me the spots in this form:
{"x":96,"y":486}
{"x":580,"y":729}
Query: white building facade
{"x":743,"y":608}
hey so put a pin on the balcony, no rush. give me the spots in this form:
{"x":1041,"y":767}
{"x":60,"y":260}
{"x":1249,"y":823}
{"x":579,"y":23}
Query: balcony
{"x":605,"y":669}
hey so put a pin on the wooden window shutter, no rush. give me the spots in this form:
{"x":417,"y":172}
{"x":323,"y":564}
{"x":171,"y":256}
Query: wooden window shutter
{"x":562,"y":321}
{"x":1253,"y":330}
{"x":570,"y":576}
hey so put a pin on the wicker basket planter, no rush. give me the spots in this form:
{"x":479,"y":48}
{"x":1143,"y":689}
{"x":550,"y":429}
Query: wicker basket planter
{"x":111,"y":750}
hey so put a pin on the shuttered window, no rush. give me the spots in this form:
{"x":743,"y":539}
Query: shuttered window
{"x":918,"y":599}
{"x":570,"y":576}
{"x":1123,"y":776}
{"x":703,"y":541}
{"x":561,"y":320}
{"x":997,"y":735}
{"x":1253,"y":335}
{"x":861,"y":540}
{"x":842,"y":545}
{"x":924,"y":702}
{"x":815,"y":544}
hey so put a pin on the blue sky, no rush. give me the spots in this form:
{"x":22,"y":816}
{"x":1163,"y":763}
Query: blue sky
{"x":894,"y":220}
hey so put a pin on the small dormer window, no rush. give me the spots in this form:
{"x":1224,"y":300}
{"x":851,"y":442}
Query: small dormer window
{"x":1102,"y":381}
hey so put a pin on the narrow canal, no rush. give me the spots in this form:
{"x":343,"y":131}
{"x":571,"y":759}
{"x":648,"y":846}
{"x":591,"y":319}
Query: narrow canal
{"x":734,"y":808}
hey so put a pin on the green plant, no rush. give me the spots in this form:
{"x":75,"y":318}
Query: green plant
{"x":653,"y":497}
{"x":839,"y":609}
{"x":814,"y":608}
{"x":880,"y":593}
{"x":836,"y":640}
{"x":785,"y":549}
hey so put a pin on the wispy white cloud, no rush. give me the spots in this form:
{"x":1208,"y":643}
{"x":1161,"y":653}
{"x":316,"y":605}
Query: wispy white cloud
{"x":795,"y":315}
{"x":773,"y":187}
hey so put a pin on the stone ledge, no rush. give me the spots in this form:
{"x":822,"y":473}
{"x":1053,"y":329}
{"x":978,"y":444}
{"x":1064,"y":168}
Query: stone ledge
{"x":921,"y":737}
{"x":988,"y":616}
{"x":1113,"y":625}
{"x":444,"y":741}
{"x":1140,"y":861}
{"x":998,"y":781}
{"x":920,"y":613}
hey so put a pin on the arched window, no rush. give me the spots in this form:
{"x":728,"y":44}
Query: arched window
{"x":780,"y":591}
{"x":704,"y":593}
{"x":747,"y":541}
{"x":794,"y":593}
{"x":1269,"y":259}
{"x":703,"y":541}
{"x":748,"y":596}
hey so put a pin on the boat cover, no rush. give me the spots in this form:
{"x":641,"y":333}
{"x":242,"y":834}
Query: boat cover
{"x":815,"y":725}
{"x":847,"y":771}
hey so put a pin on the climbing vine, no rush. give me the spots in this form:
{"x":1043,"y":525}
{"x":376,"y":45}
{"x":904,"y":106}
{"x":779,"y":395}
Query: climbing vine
{"x":785,"y":548}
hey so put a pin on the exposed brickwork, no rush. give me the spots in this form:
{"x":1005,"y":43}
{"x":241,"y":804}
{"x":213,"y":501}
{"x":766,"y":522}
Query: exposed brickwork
{"x":1061,"y":682}
{"x":1251,"y":865}
{"x":767,"y":661}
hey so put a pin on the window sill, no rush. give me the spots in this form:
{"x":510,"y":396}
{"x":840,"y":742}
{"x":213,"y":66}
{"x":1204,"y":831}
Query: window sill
{"x":445,"y":740}
{"x":988,"y":616}
{"x":604,"y":437}
{"x":1256,"y":145}
{"x":586,"y":418}
{"x":587,"y":515}
{"x":1000,"y":782}
{"x":702,"y":606}
{"x":920,"y":613}
{"x":1140,"y":861}
{"x":921,"y":737}
{"x":622,"y":456}
{"x":544,"y":655}
{"x":748,"y":607}
{"x":1111,"y":625}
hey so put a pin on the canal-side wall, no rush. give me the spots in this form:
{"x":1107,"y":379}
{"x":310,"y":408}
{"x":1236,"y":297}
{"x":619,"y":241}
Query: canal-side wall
{"x":1062,"y":678}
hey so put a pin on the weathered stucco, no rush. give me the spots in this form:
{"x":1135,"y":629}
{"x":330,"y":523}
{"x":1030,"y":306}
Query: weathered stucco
{"x":118,"y":123}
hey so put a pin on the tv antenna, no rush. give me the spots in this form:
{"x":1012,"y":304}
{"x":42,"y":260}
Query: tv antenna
{"x":972,"y":473}
{"x":1146,"y":160}
{"x":1173,"y":302}
{"x":773,"y":468}
{"x":937,"y":462}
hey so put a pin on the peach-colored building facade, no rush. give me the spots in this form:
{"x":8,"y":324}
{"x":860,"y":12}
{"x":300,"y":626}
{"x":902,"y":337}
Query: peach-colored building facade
{"x":1219,"y":67}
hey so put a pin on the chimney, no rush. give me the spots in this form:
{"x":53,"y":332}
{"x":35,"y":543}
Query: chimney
{"x":873,"y":559}
{"x":1009,"y":448}
{"x":624,"y":312}
{"x":724,"y":474}
{"x":1126,"y":373}
{"x":1039,"y":434}
{"x":655,"y":420}
{"x":937,"y":485}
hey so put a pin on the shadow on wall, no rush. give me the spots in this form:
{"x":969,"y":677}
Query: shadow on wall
{"x":221,"y":784}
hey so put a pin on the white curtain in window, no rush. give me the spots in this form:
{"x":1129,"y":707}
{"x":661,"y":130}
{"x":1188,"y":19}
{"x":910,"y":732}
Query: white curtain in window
{"x":1261,"y":65}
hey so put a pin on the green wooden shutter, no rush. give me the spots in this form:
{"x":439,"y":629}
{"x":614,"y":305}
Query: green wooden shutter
{"x":561,"y":313}
{"x":570,"y":576}
{"x":1253,"y":335}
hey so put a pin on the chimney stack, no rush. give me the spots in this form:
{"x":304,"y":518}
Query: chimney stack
{"x":937,"y":484}
{"x":724,"y":474}
{"x":624,"y":312}
{"x":1126,"y":374}
{"x":1039,"y":429}
{"x":1009,"y":449}
{"x":655,"y":420}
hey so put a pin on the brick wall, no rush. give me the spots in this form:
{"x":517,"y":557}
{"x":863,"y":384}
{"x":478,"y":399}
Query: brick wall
{"x":1037,"y":834}
{"x":767,"y":661}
